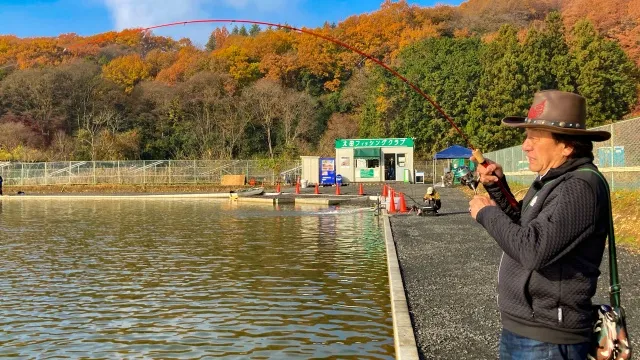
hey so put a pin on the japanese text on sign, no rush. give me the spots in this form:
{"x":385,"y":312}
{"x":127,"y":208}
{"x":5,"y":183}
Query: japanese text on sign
{"x":354,"y":143}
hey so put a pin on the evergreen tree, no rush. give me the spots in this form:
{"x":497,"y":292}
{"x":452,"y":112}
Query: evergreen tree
{"x":503,"y":92}
{"x":235,"y":30}
{"x":211,"y":44}
{"x":448,"y":70}
{"x":371,"y":124}
{"x":254,"y":30}
{"x":243,"y":31}
{"x":545,"y":58}
{"x":374,"y":114}
{"x":607,"y":78}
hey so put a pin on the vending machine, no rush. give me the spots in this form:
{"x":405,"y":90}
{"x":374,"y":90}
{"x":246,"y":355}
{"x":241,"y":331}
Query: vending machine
{"x":327,"y":171}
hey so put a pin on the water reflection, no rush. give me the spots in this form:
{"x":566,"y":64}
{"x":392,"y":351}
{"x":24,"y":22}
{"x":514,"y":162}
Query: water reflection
{"x":191,"y":279}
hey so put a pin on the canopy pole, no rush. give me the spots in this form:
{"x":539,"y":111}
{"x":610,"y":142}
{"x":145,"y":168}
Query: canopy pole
{"x":433,"y":180}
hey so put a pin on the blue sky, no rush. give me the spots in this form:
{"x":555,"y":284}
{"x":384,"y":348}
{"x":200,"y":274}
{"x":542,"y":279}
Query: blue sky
{"x":26,"y":18}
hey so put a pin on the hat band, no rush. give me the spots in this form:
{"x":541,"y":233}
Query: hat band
{"x":553,"y":123}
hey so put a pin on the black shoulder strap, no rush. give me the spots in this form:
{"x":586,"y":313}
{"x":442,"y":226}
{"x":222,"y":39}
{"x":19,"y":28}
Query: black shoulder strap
{"x":614,"y":282}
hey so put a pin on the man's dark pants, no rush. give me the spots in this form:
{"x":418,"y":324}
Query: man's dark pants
{"x":516,"y":347}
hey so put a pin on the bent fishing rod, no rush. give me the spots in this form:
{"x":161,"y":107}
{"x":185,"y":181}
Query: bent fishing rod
{"x":477,"y":154}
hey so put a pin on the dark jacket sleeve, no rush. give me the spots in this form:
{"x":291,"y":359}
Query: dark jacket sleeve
{"x":560,"y":226}
{"x":496,"y":194}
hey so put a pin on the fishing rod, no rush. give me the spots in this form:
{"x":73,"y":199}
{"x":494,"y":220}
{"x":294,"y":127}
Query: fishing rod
{"x":477,"y":154}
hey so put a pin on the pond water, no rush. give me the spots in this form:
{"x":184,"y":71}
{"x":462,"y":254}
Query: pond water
{"x":182,"y":279}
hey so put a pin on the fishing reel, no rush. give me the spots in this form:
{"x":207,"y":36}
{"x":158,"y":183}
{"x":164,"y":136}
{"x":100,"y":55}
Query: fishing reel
{"x":467,"y":178}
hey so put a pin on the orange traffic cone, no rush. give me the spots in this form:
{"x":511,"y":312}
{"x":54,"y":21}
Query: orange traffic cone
{"x":361,"y":190}
{"x":278,"y":188}
{"x":403,"y":204}
{"x":392,"y":203}
{"x":385,"y":190}
{"x":317,"y":191}
{"x":337,"y":189}
{"x":298,"y":187}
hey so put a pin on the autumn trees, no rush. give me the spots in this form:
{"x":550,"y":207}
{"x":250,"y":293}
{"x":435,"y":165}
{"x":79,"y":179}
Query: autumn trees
{"x":254,"y":91}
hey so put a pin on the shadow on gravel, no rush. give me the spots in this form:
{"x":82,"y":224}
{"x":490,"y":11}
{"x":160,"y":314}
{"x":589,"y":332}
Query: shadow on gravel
{"x":453,"y":213}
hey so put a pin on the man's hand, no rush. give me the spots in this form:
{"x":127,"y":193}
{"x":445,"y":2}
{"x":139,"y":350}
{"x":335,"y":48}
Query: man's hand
{"x":490,"y":173}
{"x":478,"y":203}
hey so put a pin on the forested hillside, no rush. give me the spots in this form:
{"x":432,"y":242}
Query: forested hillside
{"x":265,"y":92}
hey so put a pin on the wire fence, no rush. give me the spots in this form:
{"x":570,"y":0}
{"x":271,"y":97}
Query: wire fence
{"x":155,"y":172}
{"x":435,"y":170}
{"x":618,"y":158}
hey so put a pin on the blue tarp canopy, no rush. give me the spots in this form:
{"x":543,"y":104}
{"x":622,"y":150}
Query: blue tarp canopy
{"x":453,"y":152}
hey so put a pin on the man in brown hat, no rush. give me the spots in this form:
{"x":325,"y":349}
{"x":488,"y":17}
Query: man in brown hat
{"x":554,"y":240}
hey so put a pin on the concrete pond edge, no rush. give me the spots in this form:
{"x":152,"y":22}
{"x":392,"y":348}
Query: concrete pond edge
{"x":403,"y":336}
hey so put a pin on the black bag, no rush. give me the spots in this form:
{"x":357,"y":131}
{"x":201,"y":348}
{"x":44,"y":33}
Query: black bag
{"x":610,"y":340}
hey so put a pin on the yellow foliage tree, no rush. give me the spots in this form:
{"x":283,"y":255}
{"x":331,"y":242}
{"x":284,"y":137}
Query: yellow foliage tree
{"x":236,"y":61}
{"x":126,"y":71}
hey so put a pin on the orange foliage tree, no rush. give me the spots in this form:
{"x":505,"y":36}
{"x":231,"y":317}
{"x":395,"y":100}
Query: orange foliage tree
{"x":188,"y":62}
{"x":126,"y":71}
{"x":618,"y":19}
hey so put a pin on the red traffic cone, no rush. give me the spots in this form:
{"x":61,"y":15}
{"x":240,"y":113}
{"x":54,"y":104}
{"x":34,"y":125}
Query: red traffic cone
{"x":403,"y":204}
{"x":392,"y":202}
{"x":278,"y":188}
{"x":317,"y":191}
{"x":337,"y":189}
{"x":385,"y":190}
{"x":361,"y":190}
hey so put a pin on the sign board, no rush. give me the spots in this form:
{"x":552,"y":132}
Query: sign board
{"x":360,"y":143}
{"x":366,"y":173}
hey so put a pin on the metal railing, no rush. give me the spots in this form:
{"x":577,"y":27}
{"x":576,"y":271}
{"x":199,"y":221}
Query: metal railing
{"x":142,"y":172}
{"x":618,"y":158}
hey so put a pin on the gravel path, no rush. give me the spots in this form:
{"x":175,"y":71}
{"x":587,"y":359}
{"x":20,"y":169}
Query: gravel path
{"x":449,"y":266}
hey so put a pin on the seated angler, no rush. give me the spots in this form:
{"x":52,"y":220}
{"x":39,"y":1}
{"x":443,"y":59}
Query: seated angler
{"x":432,"y":200}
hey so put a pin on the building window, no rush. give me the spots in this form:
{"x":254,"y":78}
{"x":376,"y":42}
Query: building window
{"x":401,"y":160}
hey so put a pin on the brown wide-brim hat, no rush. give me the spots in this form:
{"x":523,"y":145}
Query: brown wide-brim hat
{"x":559,"y":112}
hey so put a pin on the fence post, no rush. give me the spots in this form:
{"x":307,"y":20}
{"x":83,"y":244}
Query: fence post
{"x":45,"y":173}
{"x":247,"y":171}
{"x":144,"y":172}
{"x":22,"y":174}
{"x":195,"y":175}
{"x":118,"y":172}
{"x":95,"y":181}
{"x":613,"y":187}
{"x":169,"y":172}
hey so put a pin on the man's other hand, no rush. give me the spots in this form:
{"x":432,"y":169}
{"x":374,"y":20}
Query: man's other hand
{"x":478,"y":203}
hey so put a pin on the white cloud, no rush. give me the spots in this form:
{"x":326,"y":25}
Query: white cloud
{"x":143,"y":13}
{"x":140,"y":13}
{"x":260,"y":5}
